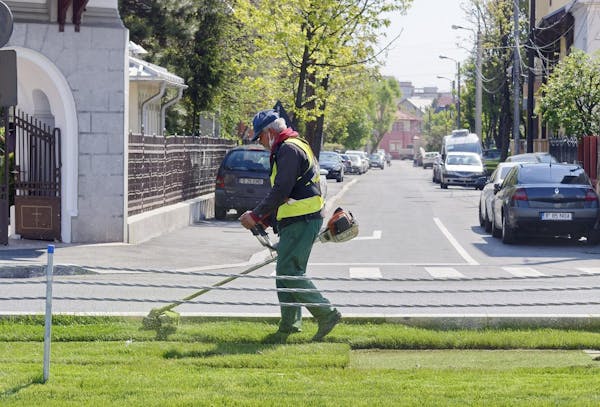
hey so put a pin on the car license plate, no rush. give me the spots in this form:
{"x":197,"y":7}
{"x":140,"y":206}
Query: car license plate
{"x":557,"y":216}
{"x":251,"y":181}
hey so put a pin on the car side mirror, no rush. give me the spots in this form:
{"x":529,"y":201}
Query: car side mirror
{"x":497,"y":187}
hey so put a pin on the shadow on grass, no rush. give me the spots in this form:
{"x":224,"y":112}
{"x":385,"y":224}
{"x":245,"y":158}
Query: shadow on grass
{"x":15,"y":389}
{"x":221,"y":349}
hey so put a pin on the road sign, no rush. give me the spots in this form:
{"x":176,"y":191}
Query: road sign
{"x":8,"y":78}
{"x":6,"y":24}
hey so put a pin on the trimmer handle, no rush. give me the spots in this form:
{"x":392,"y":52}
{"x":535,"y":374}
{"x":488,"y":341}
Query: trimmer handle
{"x":263,"y":237}
{"x":259,"y":230}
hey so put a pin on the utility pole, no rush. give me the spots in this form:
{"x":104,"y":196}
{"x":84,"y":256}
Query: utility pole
{"x":458,"y":95}
{"x":478,"y":86}
{"x":516,"y":87}
{"x":531,"y":127}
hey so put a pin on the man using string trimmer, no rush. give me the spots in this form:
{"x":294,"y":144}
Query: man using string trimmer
{"x":293,"y":206}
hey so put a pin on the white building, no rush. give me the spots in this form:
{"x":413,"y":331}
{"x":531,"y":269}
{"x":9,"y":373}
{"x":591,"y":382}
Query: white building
{"x":73,"y":70}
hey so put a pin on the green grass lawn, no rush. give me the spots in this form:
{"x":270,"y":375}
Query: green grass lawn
{"x":111,"y":362}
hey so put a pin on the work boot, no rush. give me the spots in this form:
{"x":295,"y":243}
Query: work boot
{"x":327,"y":324}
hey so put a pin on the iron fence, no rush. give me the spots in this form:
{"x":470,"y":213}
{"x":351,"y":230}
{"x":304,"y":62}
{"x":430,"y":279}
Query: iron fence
{"x":564,"y":149}
{"x":164,"y":170}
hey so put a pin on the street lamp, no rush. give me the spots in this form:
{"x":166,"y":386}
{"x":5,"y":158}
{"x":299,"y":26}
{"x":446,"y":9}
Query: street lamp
{"x":453,"y":90}
{"x":458,"y":89}
{"x":478,"y":79}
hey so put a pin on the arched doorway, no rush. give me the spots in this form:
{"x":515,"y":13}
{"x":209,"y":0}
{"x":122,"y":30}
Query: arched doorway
{"x":44,"y":93}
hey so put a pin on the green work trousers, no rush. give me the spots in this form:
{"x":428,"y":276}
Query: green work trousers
{"x":295,"y":244}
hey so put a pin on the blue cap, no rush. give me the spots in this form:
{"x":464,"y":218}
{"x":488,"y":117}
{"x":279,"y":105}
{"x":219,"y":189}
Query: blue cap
{"x":262,"y":120}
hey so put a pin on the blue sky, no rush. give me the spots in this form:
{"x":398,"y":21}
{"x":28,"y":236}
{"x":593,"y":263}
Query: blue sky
{"x":426,"y":34}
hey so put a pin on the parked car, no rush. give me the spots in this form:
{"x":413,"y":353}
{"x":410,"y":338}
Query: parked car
{"x":363,"y":158}
{"x":357,"y":164}
{"x":429,"y":158}
{"x":546,"y":199}
{"x":487,"y":194}
{"x":491,"y":158}
{"x":242,"y":180}
{"x":464,"y":169}
{"x":377,"y":160}
{"x":347,"y":163}
{"x":438,"y":163}
{"x":332,"y":162}
{"x":532,"y":158}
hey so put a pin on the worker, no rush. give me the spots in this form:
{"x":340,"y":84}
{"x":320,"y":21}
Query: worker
{"x":293,"y":207}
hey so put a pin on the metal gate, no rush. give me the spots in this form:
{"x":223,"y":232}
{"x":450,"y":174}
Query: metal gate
{"x":37,"y":178}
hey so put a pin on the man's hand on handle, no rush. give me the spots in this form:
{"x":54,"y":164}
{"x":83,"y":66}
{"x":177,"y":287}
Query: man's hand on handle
{"x":247,"y":220}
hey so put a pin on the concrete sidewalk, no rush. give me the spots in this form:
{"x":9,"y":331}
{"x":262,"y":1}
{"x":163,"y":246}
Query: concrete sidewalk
{"x":202,"y":244}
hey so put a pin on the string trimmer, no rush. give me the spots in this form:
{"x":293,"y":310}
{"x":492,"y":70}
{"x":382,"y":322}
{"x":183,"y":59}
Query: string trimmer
{"x":341,"y":227}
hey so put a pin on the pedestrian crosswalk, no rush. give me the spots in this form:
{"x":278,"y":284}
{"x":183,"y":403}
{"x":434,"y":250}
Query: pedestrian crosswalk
{"x":446,"y":272}
{"x":466,"y":272}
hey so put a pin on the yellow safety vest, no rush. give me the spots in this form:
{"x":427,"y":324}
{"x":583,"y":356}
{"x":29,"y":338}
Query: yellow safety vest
{"x":297,"y":207}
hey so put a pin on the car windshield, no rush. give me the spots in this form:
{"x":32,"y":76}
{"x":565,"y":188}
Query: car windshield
{"x":548,"y":174}
{"x":463,"y":160}
{"x":248,"y":160}
{"x":354,"y":158}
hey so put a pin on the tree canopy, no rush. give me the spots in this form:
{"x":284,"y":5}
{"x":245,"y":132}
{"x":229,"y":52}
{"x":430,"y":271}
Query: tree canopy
{"x":240,"y":56}
{"x":571,"y":98}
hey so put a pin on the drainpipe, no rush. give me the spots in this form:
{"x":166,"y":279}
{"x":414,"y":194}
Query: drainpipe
{"x":163,"y":109}
{"x":157,"y":96}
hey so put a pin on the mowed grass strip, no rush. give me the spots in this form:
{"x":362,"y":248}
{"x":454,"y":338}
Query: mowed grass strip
{"x":111,"y":362}
{"x":330,"y":374}
{"x":358,"y":335}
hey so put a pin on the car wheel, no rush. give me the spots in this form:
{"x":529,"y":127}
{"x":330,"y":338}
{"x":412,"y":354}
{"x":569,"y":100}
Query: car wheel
{"x":220,"y":212}
{"x":443,"y":186}
{"x":508,"y":233}
{"x":496,"y":231}
{"x":487,"y":223}
{"x":340,"y":178}
{"x":481,"y":219}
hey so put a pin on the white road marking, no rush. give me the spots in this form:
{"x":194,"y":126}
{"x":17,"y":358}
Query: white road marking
{"x":386,"y":264}
{"x":443,"y":272}
{"x":375,"y":236}
{"x":470,"y":260}
{"x":590,"y":270}
{"x":523,"y":271}
{"x":365,"y":272}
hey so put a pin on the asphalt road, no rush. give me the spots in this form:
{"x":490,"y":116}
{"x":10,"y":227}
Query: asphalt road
{"x":420,"y":252}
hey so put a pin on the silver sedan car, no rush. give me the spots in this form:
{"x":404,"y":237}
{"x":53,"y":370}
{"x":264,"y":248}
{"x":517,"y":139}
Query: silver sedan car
{"x":487,"y":194}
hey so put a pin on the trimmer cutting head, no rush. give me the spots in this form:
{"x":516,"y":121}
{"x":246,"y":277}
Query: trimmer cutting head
{"x":164,"y":322}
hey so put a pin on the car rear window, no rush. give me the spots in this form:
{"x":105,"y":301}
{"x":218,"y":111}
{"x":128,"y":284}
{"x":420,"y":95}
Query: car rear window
{"x":544,"y":174}
{"x":248,"y":160}
{"x":328,"y":156}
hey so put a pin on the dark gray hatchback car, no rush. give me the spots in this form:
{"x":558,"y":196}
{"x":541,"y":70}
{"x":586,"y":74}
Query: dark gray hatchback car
{"x":242,"y":180}
{"x":545,"y":199}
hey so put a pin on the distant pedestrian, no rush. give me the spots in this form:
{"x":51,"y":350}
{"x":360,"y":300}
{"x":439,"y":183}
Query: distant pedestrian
{"x":293,"y":207}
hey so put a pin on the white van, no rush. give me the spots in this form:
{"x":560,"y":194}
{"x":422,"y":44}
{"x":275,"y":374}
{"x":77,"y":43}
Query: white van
{"x":463,"y":141}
